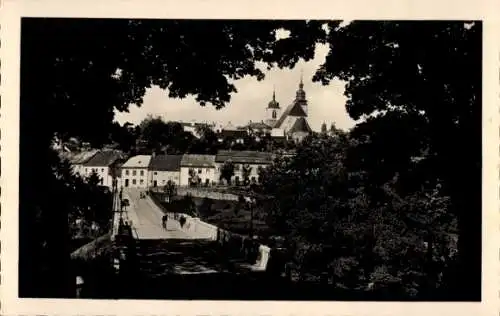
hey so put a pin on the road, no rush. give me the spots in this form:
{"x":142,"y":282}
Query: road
{"x":146,"y":217}
{"x":167,"y":251}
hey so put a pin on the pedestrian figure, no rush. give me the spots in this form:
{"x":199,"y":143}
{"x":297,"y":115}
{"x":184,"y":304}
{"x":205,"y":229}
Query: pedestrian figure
{"x":164,"y":221}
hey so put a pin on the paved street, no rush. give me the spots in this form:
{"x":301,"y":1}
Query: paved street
{"x":170,"y":251}
{"x":146,"y":217}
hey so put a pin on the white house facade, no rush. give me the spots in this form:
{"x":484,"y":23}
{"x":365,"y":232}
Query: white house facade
{"x":103,"y":164}
{"x":164,"y":168}
{"x":254,"y":160}
{"x":197,"y":169}
{"x":134,"y":172}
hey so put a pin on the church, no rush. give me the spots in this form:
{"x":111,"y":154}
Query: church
{"x":292,"y":122}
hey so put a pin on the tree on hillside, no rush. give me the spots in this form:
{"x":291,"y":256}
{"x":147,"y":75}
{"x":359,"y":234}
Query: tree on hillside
{"x":227,"y":171}
{"x":124,"y":135}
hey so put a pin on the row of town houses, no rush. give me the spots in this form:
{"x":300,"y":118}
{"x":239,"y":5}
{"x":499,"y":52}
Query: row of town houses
{"x":144,"y":171}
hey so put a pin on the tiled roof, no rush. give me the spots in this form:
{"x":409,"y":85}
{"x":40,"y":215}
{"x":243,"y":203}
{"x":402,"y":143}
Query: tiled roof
{"x":294,"y":109}
{"x":82,"y":157}
{"x":245,"y":156}
{"x":139,"y":161}
{"x":165,"y":163}
{"x":258,"y":125}
{"x":207,"y":161}
{"x":300,"y":125}
{"x":104,"y":158}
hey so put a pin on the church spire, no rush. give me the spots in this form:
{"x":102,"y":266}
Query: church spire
{"x":273,"y":104}
{"x":301,"y":94}
{"x":301,"y":84}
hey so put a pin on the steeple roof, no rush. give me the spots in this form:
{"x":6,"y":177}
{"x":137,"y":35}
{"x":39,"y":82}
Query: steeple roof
{"x":300,"y":125}
{"x":300,"y":95}
{"x":273,"y":104}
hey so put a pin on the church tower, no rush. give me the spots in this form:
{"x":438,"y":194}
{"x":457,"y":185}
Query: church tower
{"x":272,"y":111}
{"x":300,"y":96}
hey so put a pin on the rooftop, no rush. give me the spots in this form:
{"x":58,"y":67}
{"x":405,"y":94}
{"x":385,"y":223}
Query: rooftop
{"x":244,"y":156}
{"x":139,"y":161}
{"x":165,"y":162}
{"x":81,"y":157}
{"x":207,"y":161}
{"x":104,"y":158}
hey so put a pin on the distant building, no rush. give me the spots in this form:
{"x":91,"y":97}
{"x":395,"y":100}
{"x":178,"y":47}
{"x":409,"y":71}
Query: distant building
{"x":258,"y":129}
{"x":192,"y":127}
{"x":78,"y":160}
{"x":199,"y":169}
{"x":233,"y":134}
{"x":103,"y":163}
{"x":135,"y":171}
{"x":250,"y":159}
{"x":293,"y":122}
{"x":272,"y":111}
{"x":164,"y":168}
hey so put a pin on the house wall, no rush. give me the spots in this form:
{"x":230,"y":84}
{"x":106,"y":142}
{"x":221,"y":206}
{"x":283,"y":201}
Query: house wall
{"x":140,"y":175}
{"x":78,"y":169}
{"x":203,"y":172}
{"x":238,"y":171}
{"x":162,"y":177}
{"x":102,"y":172}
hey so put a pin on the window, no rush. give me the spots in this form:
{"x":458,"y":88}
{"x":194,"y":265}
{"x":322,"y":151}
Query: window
{"x":102,"y":169}
{"x":134,"y":172}
{"x":155,"y":173}
{"x":163,"y":181}
{"x":142,"y":172}
{"x":199,"y":170}
{"x":126,"y":172}
{"x":142,"y":181}
{"x":133,"y":181}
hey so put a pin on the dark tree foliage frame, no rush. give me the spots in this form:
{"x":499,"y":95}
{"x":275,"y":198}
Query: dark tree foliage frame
{"x":424,"y":77}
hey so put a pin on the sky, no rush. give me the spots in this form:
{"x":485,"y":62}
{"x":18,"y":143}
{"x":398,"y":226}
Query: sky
{"x":326,"y":103}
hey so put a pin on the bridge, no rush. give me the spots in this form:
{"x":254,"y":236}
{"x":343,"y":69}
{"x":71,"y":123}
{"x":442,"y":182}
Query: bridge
{"x":178,"y":262}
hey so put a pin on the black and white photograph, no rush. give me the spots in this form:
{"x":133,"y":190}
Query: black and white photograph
{"x":229,"y":159}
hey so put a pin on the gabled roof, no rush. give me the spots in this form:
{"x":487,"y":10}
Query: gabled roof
{"x":243,"y":156}
{"x":258,"y":125}
{"x":300,"y":125}
{"x":166,"y":163}
{"x":204,"y":161}
{"x":139,"y":161}
{"x":82,"y":157}
{"x":104,"y":158}
{"x":234,"y":133}
{"x":294,"y":109}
